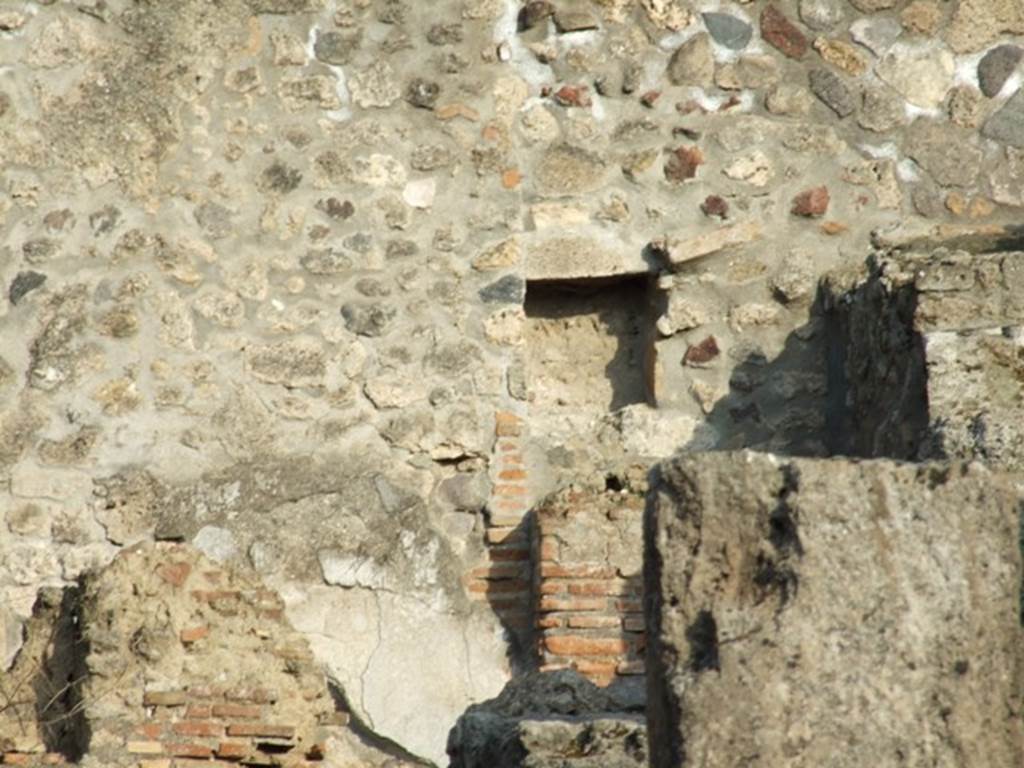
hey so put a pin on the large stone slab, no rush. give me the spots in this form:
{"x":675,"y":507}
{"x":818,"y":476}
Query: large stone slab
{"x":833,"y":613}
{"x":927,"y":357}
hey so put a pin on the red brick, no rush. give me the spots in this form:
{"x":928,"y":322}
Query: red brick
{"x":150,"y":731}
{"x":195,"y":751}
{"x":233,"y":750}
{"x":500,"y":570}
{"x":197,"y":728}
{"x":549,"y":548}
{"x":508,"y":554}
{"x":238,"y":711}
{"x":555,"y":571}
{"x":163,"y":698}
{"x":507,"y":489}
{"x":254,"y":695}
{"x":507,"y":424}
{"x":550,"y":621}
{"x":510,"y":603}
{"x":594,"y":622}
{"x":629,"y":605}
{"x":192,"y":634}
{"x":265,"y":730}
{"x":512,"y":474}
{"x":507,"y":446}
{"x":508,"y":535}
{"x":603,"y":669}
{"x":576,"y":645}
{"x":510,"y":458}
{"x":500,"y":587}
{"x":548,"y":604}
{"x":174,"y":574}
{"x":553,"y":587}
{"x":18,"y":758}
{"x":610,"y":587}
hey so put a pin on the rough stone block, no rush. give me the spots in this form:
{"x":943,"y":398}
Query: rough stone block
{"x":833,"y":612}
{"x":927,"y":359}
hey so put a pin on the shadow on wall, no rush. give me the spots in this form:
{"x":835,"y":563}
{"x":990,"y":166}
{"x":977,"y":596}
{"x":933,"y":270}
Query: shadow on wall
{"x":42,"y":691}
{"x":781,"y":405}
{"x":510,"y":594}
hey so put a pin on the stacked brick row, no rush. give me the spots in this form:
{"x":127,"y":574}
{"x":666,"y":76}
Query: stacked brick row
{"x":213,"y":723}
{"x":34,"y":759}
{"x":504,"y":579}
{"x":589,"y":611}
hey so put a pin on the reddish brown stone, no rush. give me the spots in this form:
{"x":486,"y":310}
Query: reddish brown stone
{"x":811,"y":203}
{"x":573,"y":96}
{"x":702,"y":352}
{"x":174,"y":573}
{"x":780,"y":32}
{"x":648,"y":99}
{"x":715,"y":205}
{"x":682,"y":164}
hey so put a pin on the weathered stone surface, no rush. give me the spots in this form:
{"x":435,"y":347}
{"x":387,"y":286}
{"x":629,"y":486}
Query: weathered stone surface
{"x":930,"y":143}
{"x":680,"y":250}
{"x":752,"y":581}
{"x":693,"y":62}
{"x":922,"y":76}
{"x":833,"y":92}
{"x":948,"y":394}
{"x":1007,"y":124}
{"x":976,"y":23}
{"x":551,"y":720}
{"x":568,"y":170}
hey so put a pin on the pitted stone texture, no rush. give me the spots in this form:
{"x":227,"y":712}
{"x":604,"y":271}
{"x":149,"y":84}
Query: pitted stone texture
{"x":873,"y":603}
{"x":552,"y":720}
{"x":931,"y":345}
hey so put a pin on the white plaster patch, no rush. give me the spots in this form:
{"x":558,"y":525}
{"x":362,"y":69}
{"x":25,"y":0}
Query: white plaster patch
{"x":522,"y":59}
{"x":888,"y":150}
{"x":907,"y":170}
{"x":420,"y":193}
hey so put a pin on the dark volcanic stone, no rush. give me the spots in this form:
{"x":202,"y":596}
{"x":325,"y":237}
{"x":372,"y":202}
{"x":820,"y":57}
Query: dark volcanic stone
{"x":727,"y":30}
{"x":533,"y":14}
{"x":505,"y":290}
{"x":23,"y":283}
{"x":422,"y":93}
{"x":280,"y":178}
{"x":996,"y":66}
{"x":833,"y":92}
{"x":715,"y":205}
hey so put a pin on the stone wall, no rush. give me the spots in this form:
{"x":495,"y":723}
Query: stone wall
{"x":182,"y":662}
{"x":275,"y":272}
{"x":811,"y":612}
{"x":928,"y":357}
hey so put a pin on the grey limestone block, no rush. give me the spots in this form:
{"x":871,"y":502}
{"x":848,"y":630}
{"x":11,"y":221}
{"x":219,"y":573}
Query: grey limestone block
{"x":832,"y":612}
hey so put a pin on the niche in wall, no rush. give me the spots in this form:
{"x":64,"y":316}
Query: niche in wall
{"x":587,"y":342}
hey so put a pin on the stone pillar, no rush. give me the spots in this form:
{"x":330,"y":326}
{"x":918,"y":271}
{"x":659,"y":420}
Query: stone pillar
{"x":833,"y":612}
{"x":927,"y":357}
